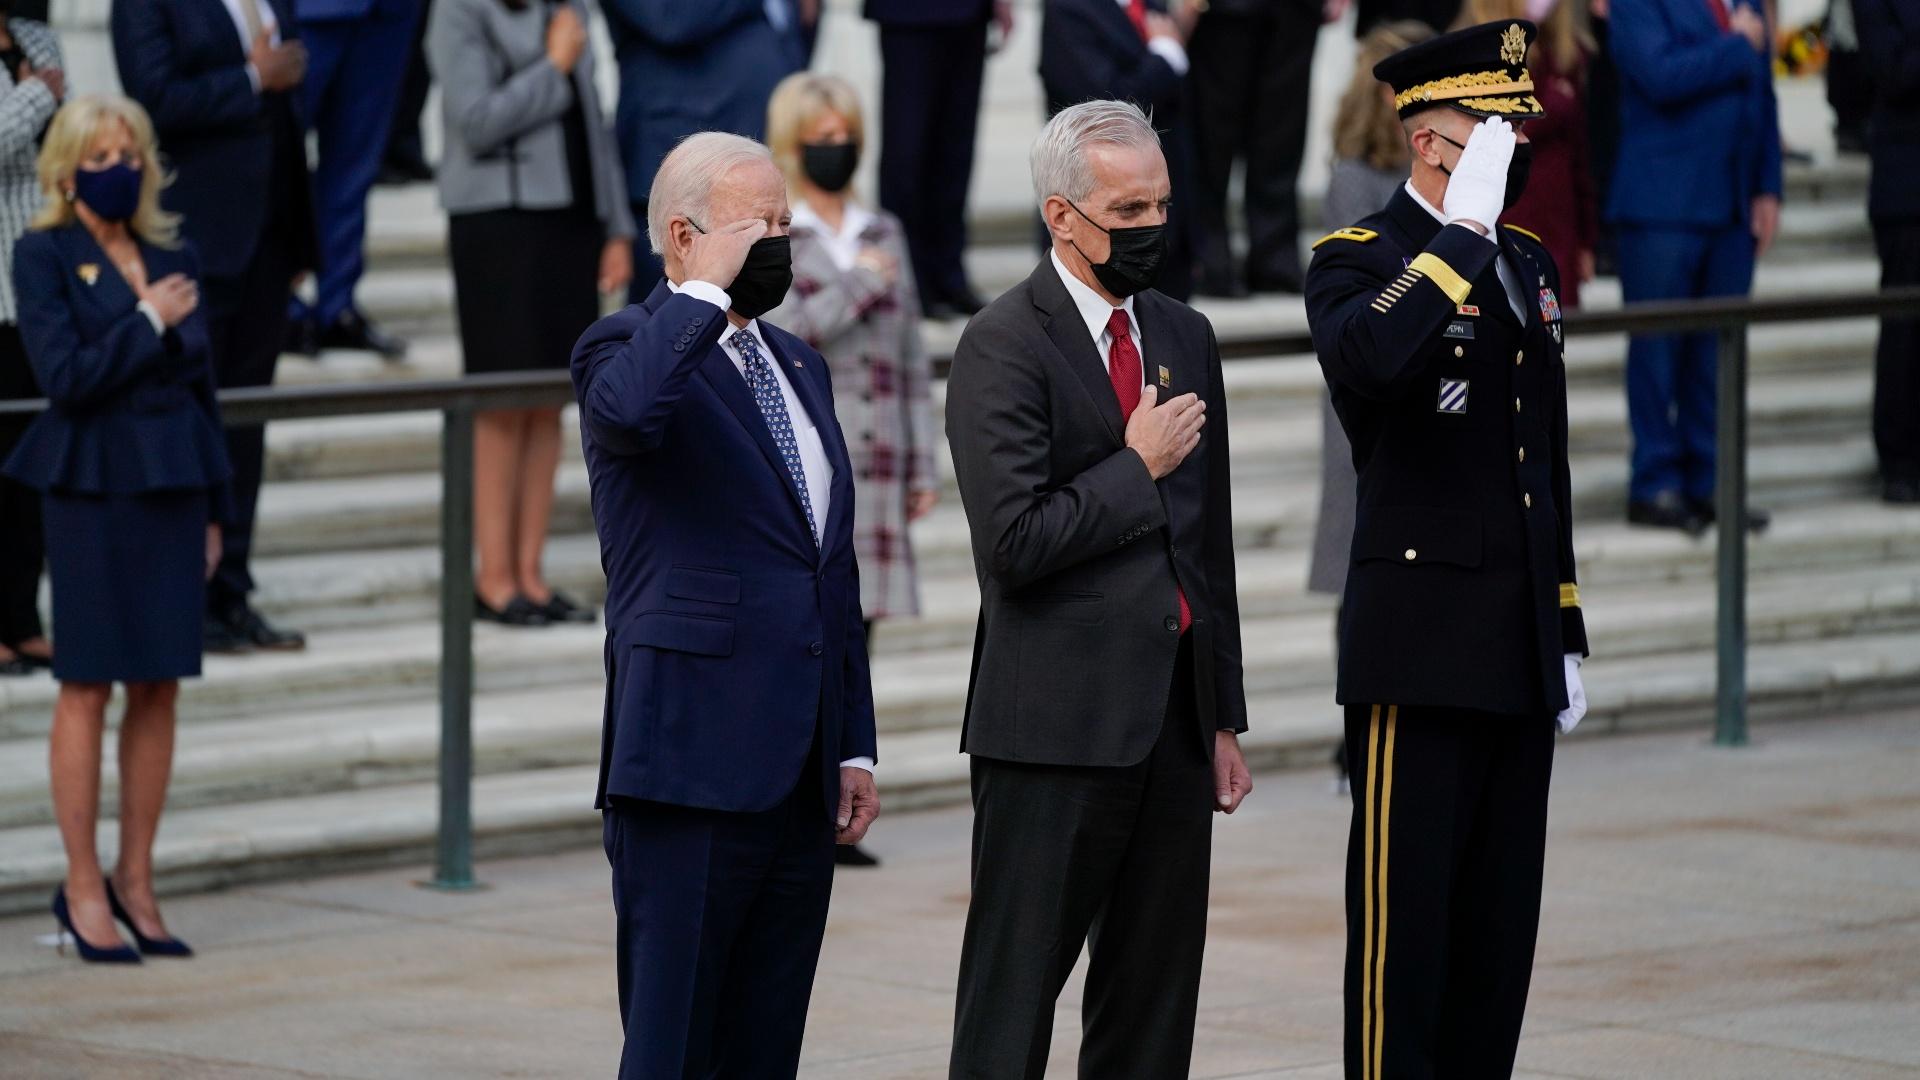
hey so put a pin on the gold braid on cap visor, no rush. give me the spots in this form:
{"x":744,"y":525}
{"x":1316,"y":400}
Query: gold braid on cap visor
{"x":1476,"y":86}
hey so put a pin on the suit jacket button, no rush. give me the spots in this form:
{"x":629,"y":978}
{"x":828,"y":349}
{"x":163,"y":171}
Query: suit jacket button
{"x":1527,"y":500}
{"x":1412,"y":554}
{"x":1516,"y":404}
{"x":1519,"y":357}
{"x":817,"y":648}
{"x":1172,"y":623}
{"x":1523,"y":455}
{"x":679,"y":346}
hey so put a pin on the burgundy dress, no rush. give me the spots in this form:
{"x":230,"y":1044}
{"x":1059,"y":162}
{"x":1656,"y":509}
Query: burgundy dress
{"x":1560,"y":205}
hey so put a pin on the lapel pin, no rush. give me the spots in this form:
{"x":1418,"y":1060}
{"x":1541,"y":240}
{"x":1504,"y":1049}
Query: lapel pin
{"x":89,"y":272}
{"x":1166,"y":378}
{"x":797,"y":364}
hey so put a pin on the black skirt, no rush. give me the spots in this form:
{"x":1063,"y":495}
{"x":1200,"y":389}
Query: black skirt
{"x":129,"y":585}
{"x":526,"y":285}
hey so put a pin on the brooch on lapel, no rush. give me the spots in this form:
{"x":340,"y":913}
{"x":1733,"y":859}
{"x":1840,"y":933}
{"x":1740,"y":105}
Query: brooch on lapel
{"x":798,"y":364}
{"x":89,"y":272}
{"x":1166,"y":378}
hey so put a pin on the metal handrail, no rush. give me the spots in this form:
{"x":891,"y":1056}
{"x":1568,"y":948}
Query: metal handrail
{"x":459,"y":399}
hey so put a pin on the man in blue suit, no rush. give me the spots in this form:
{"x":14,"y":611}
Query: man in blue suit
{"x":1695,"y":200}
{"x":739,"y":742}
{"x":693,"y":65}
{"x":222,"y":83}
{"x":359,"y":50}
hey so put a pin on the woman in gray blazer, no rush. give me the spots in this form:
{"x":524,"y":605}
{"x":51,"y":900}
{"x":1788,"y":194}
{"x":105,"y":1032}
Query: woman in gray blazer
{"x":538,"y":228}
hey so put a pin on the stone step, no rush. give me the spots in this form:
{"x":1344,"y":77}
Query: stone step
{"x":920,"y":680}
{"x":539,"y":807}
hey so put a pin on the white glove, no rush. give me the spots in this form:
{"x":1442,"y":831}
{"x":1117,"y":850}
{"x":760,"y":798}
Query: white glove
{"x":1477,"y":192}
{"x":1569,"y":717}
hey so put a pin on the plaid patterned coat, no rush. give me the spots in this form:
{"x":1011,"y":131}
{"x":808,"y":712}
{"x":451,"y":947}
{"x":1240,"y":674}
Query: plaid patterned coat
{"x":25,"y":108}
{"x":869,"y":332}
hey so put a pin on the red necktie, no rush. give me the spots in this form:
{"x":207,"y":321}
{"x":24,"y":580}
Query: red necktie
{"x":1137,"y":15}
{"x":1123,"y":368}
{"x":1720,"y":14}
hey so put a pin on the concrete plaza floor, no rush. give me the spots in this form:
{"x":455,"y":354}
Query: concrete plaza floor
{"x":1709,"y":913}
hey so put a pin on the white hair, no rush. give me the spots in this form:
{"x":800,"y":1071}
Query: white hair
{"x":1059,"y":156}
{"x":684,"y":185}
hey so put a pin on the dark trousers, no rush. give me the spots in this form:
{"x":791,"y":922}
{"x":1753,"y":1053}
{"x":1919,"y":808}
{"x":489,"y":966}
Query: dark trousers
{"x":1116,"y":858}
{"x":354,"y":71}
{"x":1671,"y":378}
{"x":719,"y":918}
{"x":1251,"y":76}
{"x":930,"y":106}
{"x":403,"y":141}
{"x":1896,"y":367}
{"x":246,"y":327}
{"x":1443,"y":888}
{"x":22,"y":545}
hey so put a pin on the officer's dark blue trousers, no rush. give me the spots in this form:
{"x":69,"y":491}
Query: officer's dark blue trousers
{"x":354,"y":71}
{"x":1671,"y":378}
{"x":719,"y":919}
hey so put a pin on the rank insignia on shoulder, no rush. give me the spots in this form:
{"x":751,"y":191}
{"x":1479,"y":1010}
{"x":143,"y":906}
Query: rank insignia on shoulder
{"x":1467,"y":309}
{"x":1166,"y":378}
{"x":1357,"y":235}
{"x":1549,"y":305}
{"x":1453,"y":396}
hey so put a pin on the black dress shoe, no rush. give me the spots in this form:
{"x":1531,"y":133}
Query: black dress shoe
{"x":303,"y":338}
{"x":219,"y":635}
{"x":15,"y":665}
{"x":352,"y":331}
{"x":1666,"y":511}
{"x":519,"y":611}
{"x":1757,"y":519}
{"x":851,"y":855}
{"x":398,"y":171}
{"x":256,"y":631}
{"x":1226,"y":287}
{"x":941,"y":310}
{"x":561,"y":608}
{"x":966,"y":301}
{"x":1901,"y":492}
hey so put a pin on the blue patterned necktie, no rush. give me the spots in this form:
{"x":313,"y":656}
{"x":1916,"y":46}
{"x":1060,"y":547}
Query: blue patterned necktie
{"x":773,"y":407}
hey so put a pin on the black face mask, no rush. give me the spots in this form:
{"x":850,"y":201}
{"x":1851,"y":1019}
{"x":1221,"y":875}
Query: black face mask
{"x":1518,"y":169}
{"x":1134,"y":257}
{"x":830,"y":165}
{"x":764,"y":277}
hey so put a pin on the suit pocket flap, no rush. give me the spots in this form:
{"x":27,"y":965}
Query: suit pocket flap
{"x":1414,"y":535}
{"x":707,"y":586}
{"x":681,"y":633}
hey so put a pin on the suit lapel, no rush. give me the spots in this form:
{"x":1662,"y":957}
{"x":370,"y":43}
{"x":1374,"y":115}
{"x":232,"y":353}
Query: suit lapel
{"x":1160,"y":355}
{"x":725,"y":379}
{"x":1069,"y":335}
{"x":100,"y":281}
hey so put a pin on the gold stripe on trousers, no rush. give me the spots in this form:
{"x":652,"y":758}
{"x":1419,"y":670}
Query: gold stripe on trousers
{"x":1373,"y":965}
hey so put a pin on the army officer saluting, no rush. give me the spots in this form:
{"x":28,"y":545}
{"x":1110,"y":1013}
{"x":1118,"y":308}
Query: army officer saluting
{"x":1461,"y":636}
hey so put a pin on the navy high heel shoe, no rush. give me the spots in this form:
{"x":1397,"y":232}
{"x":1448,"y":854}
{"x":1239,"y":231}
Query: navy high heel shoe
{"x":149,"y":946}
{"x":118,"y":954}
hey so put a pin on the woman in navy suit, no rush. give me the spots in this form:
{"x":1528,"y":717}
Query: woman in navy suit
{"x":133,"y":470}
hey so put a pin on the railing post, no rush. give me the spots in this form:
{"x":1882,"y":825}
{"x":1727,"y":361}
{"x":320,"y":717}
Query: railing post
{"x":453,"y":858}
{"x":1730,"y":502}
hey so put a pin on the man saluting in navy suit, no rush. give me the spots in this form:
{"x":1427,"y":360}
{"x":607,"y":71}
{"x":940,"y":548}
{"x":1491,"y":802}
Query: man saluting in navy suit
{"x":739,"y":736}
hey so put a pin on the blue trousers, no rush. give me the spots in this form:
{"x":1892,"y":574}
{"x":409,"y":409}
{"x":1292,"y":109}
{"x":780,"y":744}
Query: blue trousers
{"x":354,"y":71}
{"x":1671,"y":378}
{"x":719,"y":922}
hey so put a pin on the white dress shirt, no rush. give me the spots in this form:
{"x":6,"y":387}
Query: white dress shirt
{"x":1509,"y":280}
{"x":1095,"y":312}
{"x":842,"y":246}
{"x":813,"y":452}
{"x":1166,"y":48}
{"x":268,"y":22}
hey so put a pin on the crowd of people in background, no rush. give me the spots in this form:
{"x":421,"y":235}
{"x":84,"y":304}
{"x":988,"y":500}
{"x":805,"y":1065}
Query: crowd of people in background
{"x":1658,"y":157}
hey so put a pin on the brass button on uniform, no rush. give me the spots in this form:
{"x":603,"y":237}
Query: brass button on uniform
{"x":1412,"y":554}
{"x":1523,"y":454}
{"x":1459,"y":350}
{"x":1516,"y":404}
{"x":1519,"y":357}
{"x":1527,"y":500}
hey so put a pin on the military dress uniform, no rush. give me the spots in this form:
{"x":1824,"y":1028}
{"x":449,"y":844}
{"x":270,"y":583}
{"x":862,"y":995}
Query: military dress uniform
{"x":1444,"y":353}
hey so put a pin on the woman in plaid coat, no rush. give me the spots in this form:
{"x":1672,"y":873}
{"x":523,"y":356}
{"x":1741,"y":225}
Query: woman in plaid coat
{"x":853,"y":299}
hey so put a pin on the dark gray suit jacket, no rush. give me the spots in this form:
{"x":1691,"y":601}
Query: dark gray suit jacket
{"x":1080,"y":554}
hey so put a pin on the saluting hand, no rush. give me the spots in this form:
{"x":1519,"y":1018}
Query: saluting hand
{"x":717,"y":256}
{"x":1163,"y":435}
{"x":1477,"y":191}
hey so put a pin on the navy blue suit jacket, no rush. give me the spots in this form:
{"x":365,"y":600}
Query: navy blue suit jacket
{"x":731,"y":637}
{"x":183,"y":60}
{"x":1890,"y":40}
{"x":1089,"y":50}
{"x":692,"y":65}
{"x":1699,"y":129}
{"x":130,"y":411}
{"x":928,"y":12}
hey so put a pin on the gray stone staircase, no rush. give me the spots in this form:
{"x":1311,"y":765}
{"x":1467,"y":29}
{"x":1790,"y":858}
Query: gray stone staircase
{"x":325,"y":760}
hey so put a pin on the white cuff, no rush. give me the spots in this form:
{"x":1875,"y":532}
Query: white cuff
{"x":253,"y":76}
{"x":708,"y":291}
{"x":153,"y":316}
{"x":1174,"y":53}
{"x":858,"y":763}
